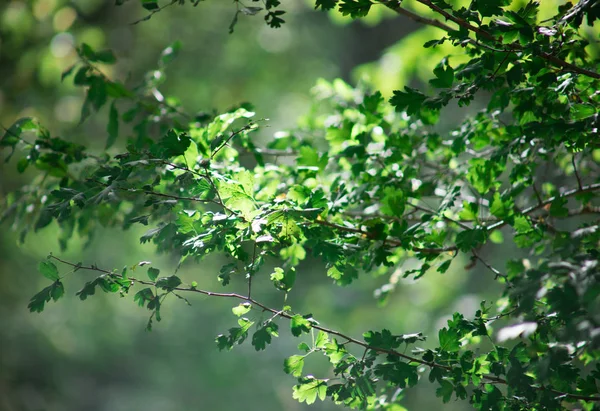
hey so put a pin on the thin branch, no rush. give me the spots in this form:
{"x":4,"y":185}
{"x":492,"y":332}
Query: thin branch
{"x":585,"y":189}
{"x":251,"y":271}
{"x":487,"y":377}
{"x":247,"y":127}
{"x":430,"y":211}
{"x":395,"y":6}
{"x":489,"y":266}
{"x":170,"y":196}
{"x":153,"y":12}
{"x":576,"y":172}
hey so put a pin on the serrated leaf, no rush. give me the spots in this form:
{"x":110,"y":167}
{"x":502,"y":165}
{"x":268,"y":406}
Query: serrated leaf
{"x":309,"y":390}
{"x":293,"y":365}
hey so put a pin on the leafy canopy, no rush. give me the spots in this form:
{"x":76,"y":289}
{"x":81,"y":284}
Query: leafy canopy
{"x":369,"y":187}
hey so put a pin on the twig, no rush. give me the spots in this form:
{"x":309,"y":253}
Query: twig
{"x":395,"y":6}
{"x":153,"y":12}
{"x":576,"y":172}
{"x":492,"y":269}
{"x":249,"y":126}
{"x":585,"y":189}
{"x":487,"y":377}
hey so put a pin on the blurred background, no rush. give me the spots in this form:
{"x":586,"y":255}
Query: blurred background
{"x":96,"y":355}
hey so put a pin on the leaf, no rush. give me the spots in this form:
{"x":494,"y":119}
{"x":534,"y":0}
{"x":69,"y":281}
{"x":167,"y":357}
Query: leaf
{"x":325,"y":4}
{"x":49,"y":270}
{"x":113,"y":126}
{"x":293,"y":365}
{"x":449,"y":340}
{"x":250,"y":11}
{"x":143,"y":296}
{"x":444,"y":75}
{"x":168,"y":283}
{"x":172,"y":144}
{"x":37,"y":302}
{"x":284,"y":280}
{"x":322,"y":339}
{"x":393,"y":202}
{"x":150,"y":4}
{"x":445,"y":391}
{"x":409,"y":100}
{"x":355,"y":8}
{"x":263,"y":336}
{"x":309,"y":390}
{"x":468,"y":239}
{"x":581,"y":111}
{"x":301,"y":324}
{"x":241,"y":309}
{"x":153,"y":273}
{"x":52,"y":292}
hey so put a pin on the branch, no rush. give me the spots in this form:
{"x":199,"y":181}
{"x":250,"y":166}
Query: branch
{"x":171,"y":196}
{"x":487,"y":377}
{"x":492,"y":269}
{"x":576,"y":172}
{"x":395,"y":6}
{"x":566,"y":194}
{"x":249,"y":126}
{"x":389,"y":240}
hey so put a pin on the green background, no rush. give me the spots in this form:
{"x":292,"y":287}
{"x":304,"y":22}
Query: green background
{"x":96,"y":355}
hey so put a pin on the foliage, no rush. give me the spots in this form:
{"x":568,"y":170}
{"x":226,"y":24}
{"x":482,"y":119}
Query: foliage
{"x":368,"y":186}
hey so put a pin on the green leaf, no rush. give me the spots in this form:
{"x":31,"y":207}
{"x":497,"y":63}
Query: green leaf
{"x":241,"y":309}
{"x":173,"y":144}
{"x":468,"y":239}
{"x":309,"y":389}
{"x":263,"y":336}
{"x":293,"y":365}
{"x":445,"y":391}
{"x":393,"y":202}
{"x":409,"y":100}
{"x":113,"y":126}
{"x":355,"y":8}
{"x":581,"y":111}
{"x":301,"y":324}
{"x":444,"y":75}
{"x":49,"y":270}
{"x":168,"y":283}
{"x":322,"y":339}
{"x":153,"y":273}
{"x":449,"y":340}
{"x":499,"y":208}
{"x":52,"y":292}
{"x":150,"y":4}
{"x":284,"y":280}
{"x":142,"y":296}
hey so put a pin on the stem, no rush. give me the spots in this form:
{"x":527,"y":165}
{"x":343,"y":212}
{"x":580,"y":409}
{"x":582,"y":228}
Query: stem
{"x":490,"y":378}
{"x":395,"y":6}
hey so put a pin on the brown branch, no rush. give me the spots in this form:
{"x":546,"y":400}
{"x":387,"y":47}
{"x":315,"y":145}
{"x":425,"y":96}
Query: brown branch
{"x":395,"y":6}
{"x":487,"y":377}
{"x":249,"y":126}
{"x":489,"y":266}
{"x":389,"y":240}
{"x":170,"y":196}
{"x":566,"y":194}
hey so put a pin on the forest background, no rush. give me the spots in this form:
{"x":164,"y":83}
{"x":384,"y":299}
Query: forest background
{"x":98,"y":356}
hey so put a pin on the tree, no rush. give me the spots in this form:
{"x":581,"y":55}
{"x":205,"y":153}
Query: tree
{"x":368,"y":186}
